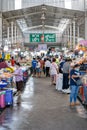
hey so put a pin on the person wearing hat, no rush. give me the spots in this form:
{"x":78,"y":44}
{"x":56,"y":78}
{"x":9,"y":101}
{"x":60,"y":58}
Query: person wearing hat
{"x":74,"y":76}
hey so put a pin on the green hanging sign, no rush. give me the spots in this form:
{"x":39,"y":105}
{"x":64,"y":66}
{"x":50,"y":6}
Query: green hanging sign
{"x":34,"y":37}
{"x":38,"y":37}
{"x":50,"y":37}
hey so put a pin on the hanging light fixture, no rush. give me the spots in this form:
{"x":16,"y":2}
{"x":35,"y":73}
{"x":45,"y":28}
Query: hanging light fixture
{"x":43,"y":22}
{"x":44,"y":9}
{"x":43,"y":17}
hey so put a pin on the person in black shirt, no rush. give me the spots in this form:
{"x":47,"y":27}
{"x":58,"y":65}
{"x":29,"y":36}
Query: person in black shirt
{"x":74,"y":76}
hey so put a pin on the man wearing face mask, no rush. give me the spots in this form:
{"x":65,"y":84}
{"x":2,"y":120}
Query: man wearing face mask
{"x":74,"y":76}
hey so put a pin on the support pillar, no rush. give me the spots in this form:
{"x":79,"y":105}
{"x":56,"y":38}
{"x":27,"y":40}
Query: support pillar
{"x":85,"y":25}
{"x":66,"y":38}
{"x":1,"y":43}
{"x":74,"y":34}
{"x":15,"y":34}
{"x":12,"y":40}
{"x":18,"y":35}
{"x":77,"y":33}
{"x":70,"y":35}
{"x":8,"y":34}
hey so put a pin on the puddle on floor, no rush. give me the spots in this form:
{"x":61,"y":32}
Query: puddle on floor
{"x":81,"y":111}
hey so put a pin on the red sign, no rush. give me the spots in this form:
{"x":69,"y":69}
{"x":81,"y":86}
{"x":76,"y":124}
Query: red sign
{"x":42,"y":38}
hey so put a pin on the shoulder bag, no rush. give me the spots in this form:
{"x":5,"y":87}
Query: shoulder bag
{"x":78,"y":82}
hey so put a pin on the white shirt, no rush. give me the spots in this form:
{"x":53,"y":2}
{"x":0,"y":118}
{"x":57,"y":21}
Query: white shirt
{"x":47,"y":63}
{"x":38,"y":65}
{"x":53,"y":69}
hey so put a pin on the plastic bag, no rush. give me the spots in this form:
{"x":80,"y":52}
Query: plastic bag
{"x":59,"y":82}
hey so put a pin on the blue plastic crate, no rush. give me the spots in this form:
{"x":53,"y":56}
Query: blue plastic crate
{"x":9,"y":97}
{"x":3,"y":85}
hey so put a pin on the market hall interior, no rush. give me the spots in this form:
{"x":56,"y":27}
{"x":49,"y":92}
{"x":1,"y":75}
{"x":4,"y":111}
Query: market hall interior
{"x":48,"y":28}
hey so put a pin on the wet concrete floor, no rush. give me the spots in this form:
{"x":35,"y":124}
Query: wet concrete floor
{"x":43,"y":108}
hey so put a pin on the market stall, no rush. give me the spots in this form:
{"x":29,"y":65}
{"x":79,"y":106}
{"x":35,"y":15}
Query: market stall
{"x":6,"y":93}
{"x":6,"y":88}
{"x":82,"y":47}
{"x":83,"y":91}
{"x":26,"y":67}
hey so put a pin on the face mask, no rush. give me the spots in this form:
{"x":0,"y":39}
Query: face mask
{"x":77,"y":69}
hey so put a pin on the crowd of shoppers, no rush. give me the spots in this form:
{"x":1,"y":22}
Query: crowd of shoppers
{"x":47,"y":67}
{"x":59,"y":70}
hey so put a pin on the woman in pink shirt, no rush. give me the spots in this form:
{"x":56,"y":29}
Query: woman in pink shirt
{"x":53,"y":71}
{"x":19,"y":79}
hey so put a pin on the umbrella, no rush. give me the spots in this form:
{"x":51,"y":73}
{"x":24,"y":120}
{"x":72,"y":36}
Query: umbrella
{"x":83,"y":43}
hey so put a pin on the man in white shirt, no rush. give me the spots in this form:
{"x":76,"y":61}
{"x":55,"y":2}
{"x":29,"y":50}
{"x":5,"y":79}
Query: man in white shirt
{"x":47,"y":66}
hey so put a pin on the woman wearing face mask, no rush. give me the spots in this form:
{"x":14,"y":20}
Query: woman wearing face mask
{"x":74,"y":76}
{"x":19,"y":80}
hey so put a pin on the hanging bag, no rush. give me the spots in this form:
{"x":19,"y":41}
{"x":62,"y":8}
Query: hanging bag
{"x":78,"y":82}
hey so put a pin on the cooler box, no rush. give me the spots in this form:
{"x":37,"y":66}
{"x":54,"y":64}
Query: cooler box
{"x":9,"y":97}
{"x":2,"y":99}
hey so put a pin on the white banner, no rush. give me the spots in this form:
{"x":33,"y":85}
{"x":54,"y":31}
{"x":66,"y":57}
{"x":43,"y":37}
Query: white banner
{"x":42,"y":47}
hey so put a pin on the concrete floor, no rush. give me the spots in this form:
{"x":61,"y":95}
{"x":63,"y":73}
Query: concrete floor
{"x":43,"y":108}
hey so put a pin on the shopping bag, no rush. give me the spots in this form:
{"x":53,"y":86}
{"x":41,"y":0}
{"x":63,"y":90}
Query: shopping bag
{"x":59,"y":82}
{"x":78,"y":82}
{"x":56,"y":81}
